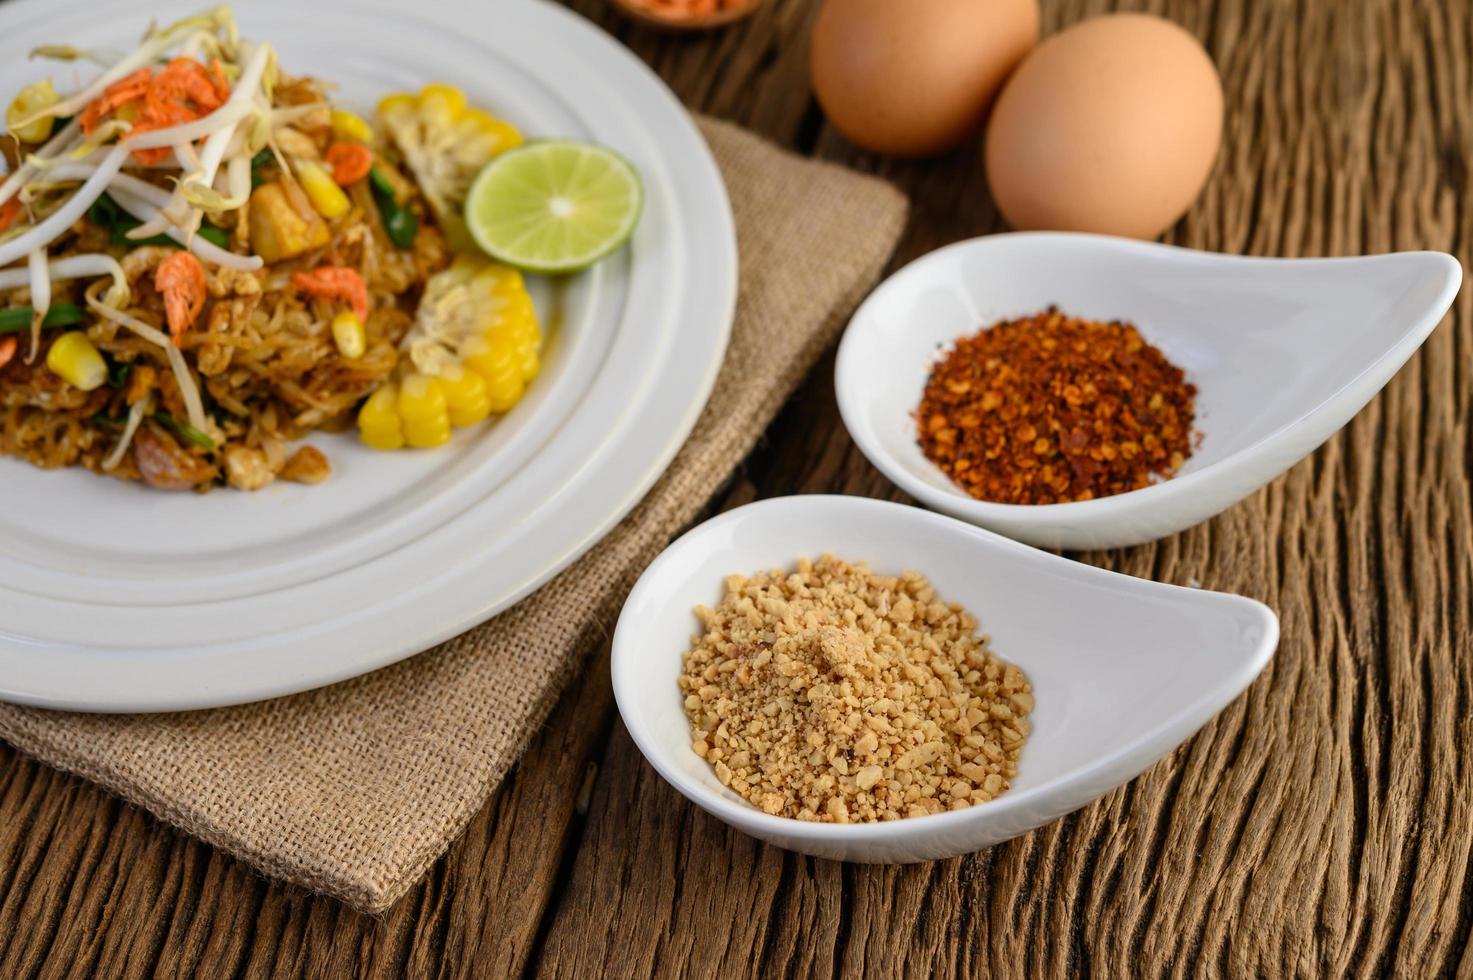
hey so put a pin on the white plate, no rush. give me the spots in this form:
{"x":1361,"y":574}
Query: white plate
{"x":1123,"y":670}
{"x":117,"y":598}
{"x":1283,"y":352}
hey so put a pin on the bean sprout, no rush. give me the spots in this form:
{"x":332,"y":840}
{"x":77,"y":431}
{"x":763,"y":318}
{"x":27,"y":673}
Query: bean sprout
{"x":63,"y":217}
{"x":68,"y":172}
{"x":40,"y":278}
{"x":209,"y":159}
{"x":136,"y":412}
{"x":143,"y":200}
{"x":54,"y":147}
{"x":240,"y":104}
{"x":75,"y":267}
{"x":144,"y":54}
{"x":207,"y":250}
{"x":244,"y":94}
{"x":188,"y":389}
{"x":104,"y":57}
{"x":191,"y":131}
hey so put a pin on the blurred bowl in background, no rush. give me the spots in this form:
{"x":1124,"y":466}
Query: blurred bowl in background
{"x":685,"y":17}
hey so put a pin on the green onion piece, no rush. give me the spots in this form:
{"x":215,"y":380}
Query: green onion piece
{"x":106,"y":213}
{"x":17,"y":319}
{"x":381,"y":183}
{"x":118,"y":373}
{"x":399,"y":222}
{"x":107,"y":421}
{"x":402,"y":226}
{"x":218,"y":236}
{"x":215,"y":236}
{"x":184,"y":430}
{"x":262,"y":158}
{"x":119,"y":236}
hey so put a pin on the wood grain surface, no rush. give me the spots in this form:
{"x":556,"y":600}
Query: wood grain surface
{"x":1321,"y":826}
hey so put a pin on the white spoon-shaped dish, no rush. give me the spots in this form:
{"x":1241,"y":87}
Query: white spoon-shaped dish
{"x":1123,"y":670}
{"x":1283,"y":352}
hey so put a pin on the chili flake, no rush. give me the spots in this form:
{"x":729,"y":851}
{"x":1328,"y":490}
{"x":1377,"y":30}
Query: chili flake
{"x":1050,"y":408}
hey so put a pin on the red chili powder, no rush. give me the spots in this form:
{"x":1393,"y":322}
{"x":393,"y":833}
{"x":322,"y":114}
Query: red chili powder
{"x":1050,"y":408}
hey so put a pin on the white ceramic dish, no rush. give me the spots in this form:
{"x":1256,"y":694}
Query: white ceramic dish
{"x":1283,"y":353}
{"x":122,"y":599}
{"x":1123,"y":669}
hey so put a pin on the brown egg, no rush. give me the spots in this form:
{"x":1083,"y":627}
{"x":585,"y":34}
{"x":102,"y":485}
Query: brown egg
{"x":1110,"y":126}
{"x":914,"y":77}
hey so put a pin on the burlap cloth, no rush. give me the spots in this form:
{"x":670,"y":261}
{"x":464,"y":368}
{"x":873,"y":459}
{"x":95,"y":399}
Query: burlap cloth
{"x":354,"y":790}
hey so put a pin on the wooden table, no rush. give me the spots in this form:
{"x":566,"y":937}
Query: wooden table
{"x":1322,"y":825}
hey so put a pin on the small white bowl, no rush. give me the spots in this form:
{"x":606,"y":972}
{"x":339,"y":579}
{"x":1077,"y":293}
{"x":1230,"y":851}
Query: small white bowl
{"x":1283,"y":352}
{"x":1123,"y":669}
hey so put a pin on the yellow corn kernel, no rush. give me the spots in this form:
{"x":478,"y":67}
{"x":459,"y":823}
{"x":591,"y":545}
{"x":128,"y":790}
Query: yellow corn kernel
{"x":525,"y":336}
{"x":385,"y":429}
{"x":507,"y":313}
{"x":420,"y":398}
{"x":530,"y":364}
{"x":395,"y":102}
{"x":506,"y":353}
{"x":463,"y":416}
{"x":381,"y":408}
{"x":518,"y":352}
{"x":29,"y":101}
{"x":347,"y":333}
{"x":465,"y":267}
{"x":504,"y":280}
{"x":521,"y":307}
{"x":326,"y":196}
{"x":499,"y":135}
{"x":520,"y":327}
{"x":487,"y":359}
{"x":502,"y":291}
{"x":385,"y":439}
{"x":504,"y":392}
{"x":442,"y":101}
{"x":427,"y":433}
{"x":465,"y":396}
{"x":73,"y":358}
{"x":378,"y":419}
{"x":350,"y":126}
{"x":382,"y":437}
{"x":506,"y":316}
{"x":493,"y":353}
{"x":511,"y":299}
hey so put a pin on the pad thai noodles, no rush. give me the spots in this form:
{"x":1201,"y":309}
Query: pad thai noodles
{"x":203,"y":259}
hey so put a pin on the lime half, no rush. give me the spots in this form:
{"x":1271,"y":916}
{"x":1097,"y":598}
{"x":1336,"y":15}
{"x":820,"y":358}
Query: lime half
{"x":554,"y":206}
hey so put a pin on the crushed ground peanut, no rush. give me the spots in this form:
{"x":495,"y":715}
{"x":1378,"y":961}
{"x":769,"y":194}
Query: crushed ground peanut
{"x":837,"y":695}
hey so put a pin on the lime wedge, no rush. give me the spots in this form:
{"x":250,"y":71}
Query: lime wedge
{"x":554,"y":206}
